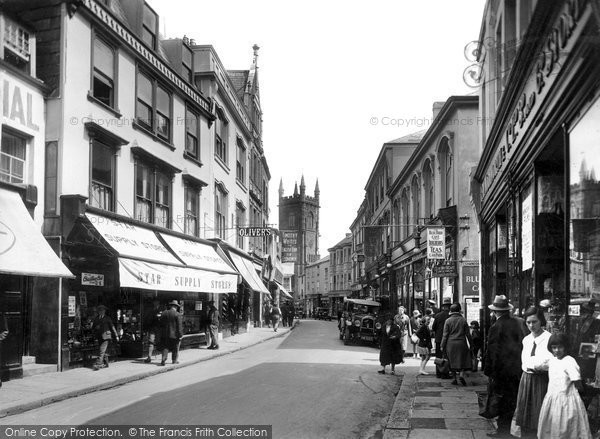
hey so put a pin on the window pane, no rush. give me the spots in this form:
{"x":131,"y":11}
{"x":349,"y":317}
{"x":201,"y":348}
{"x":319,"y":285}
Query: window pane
{"x":144,"y":114}
{"x":103,"y":89}
{"x":144,"y":89}
{"x":104,"y":58}
{"x":149,"y":18}
{"x":12,"y":158}
{"x":191,"y":121}
{"x":163,"y":101}
{"x":148,"y":37}
{"x":102,"y":164}
{"x":163,"y":125}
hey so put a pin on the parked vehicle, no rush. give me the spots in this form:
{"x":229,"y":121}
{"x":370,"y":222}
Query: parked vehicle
{"x":323,"y":314}
{"x":359,"y":321}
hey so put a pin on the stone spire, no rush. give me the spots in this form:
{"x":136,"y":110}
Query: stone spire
{"x":280,"y":188}
{"x":295,"y":189}
{"x":317,"y":191}
{"x":302,"y":186}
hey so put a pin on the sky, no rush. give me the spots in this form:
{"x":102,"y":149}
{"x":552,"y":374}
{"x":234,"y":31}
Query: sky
{"x":337,"y":80}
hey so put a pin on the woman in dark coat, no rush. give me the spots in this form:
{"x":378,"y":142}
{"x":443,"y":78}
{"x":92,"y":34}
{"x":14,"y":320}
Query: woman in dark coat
{"x":390,"y":352}
{"x":424,"y":345}
{"x":456,"y":343}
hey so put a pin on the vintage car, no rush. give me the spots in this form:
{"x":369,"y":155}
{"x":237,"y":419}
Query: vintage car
{"x":359,"y":321}
{"x":323,"y":314}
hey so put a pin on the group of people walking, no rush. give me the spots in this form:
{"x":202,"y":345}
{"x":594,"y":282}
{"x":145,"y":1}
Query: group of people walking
{"x":533,"y":380}
{"x":275,"y":315}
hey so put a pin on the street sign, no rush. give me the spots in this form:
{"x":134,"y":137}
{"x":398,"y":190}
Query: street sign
{"x":360,"y":258}
{"x":436,"y":242}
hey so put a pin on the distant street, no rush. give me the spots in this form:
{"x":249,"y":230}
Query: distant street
{"x":307,"y":385}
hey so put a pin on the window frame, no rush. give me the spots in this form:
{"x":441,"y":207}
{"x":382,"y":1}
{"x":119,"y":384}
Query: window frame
{"x":154,"y":112}
{"x":153,"y":34}
{"x":94,"y":71}
{"x":241,"y":160}
{"x":155,"y":172}
{"x":189,"y":114}
{"x":6,"y":130}
{"x":113,"y":168}
{"x":221,"y":136}
{"x":220,"y":211}
{"x":191,"y":191}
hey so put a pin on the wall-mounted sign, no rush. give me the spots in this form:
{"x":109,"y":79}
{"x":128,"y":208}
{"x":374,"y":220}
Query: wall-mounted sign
{"x":94,"y":279}
{"x":527,"y":230}
{"x":19,"y":106}
{"x":436,"y":242}
{"x":447,"y":269}
{"x":253,"y":232}
{"x":470,"y":280}
{"x":71,"y":306}
{"x":289,"y":252}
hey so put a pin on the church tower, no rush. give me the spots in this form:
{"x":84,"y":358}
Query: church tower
{"x":299,"y":225}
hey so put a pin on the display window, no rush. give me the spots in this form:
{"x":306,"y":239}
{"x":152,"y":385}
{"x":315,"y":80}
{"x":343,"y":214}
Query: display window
{"x":584,"y":242}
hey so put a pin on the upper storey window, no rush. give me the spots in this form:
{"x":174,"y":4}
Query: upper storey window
{"x":17,"y":45}
{"x":149,"y":27}
{"x":103,"y":81}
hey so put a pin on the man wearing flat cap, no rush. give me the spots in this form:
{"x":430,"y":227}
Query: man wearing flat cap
{"x":172,"y":332}
{"x":503,"y":361}
{"x":104,"y":330}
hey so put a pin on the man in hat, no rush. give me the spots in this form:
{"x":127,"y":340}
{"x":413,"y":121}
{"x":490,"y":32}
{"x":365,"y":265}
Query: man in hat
{"x":503,"y":361}
{"x":172,"y":330}
{"x":104,"y":329}
{"x":213,"y":325}
{"x":438,"y":329}
{"x":152,"y":325}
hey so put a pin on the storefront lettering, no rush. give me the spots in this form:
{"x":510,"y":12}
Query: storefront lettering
{"x":149,"y":278}
{"x":13,"y":108}
{"x":549,"y":61}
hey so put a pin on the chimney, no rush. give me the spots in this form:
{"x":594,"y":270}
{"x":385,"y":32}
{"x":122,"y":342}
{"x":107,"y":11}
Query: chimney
{"x":437,"y":106}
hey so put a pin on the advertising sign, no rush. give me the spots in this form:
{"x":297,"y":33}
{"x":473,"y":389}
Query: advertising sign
{"x":470,"y":280}
{"x":472,"y":309}
{"x":289,"y":252}
{"x":372,"y":237}
{"x":447,"y":269}
{"x":93,"y":279}
{"x":253,"y":232}
{"x":527,"y":230}
{"x":436,"y":242}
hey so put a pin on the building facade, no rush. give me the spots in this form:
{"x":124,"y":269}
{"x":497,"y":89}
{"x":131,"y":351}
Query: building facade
{"x":340,"y":274}
{"x":536,"y":184}
{"x":430,"y":202}
{"x":317,"y":283}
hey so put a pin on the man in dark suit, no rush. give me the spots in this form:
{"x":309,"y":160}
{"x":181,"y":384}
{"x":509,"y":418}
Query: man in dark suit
{"x":438,"y":328}
{"x":172,"y":331}
{"x":213,"y":325}
{"x":503,"y":361}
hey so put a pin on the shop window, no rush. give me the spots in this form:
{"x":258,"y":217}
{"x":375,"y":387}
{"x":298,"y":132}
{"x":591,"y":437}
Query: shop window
{"x":102,"y":178}
{"x":152,"y":194}
{"x":153,"y":106}
{"x":584,"y":240}
{"x":103,"y":80}
{"x":13,"y":153}
{"x":192,"y":134}
{"x":192,"y":210}
{"x":220,"y":212}
{"x":221,"y":136}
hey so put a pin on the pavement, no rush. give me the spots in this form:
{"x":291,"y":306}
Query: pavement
{"x":21,"y":395}
{"x":425,"y":407}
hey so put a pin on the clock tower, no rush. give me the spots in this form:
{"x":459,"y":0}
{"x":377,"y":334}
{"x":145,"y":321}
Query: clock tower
{"x":299,"y":225}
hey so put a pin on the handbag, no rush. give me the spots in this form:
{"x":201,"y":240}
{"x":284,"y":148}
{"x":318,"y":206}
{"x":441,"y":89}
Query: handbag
{"x":489,"y":404}
{"x":107,"y":335}
{"x":414,"y":338}
{"x":443,"y":365}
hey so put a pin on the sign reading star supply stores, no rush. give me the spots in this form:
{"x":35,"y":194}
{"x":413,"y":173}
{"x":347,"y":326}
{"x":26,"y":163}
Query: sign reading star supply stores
{"x":436,"y":242}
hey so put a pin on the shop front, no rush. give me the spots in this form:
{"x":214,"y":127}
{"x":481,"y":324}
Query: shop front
{"x":135,"y":271}
{"x":26,"y":259}
{"x":539,"y":193}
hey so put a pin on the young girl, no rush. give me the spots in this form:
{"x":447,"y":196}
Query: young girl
{"x":424,"y":345}
{"x":563,"y":414}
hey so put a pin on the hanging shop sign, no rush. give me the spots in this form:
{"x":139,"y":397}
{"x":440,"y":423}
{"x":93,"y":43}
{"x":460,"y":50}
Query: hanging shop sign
{"x":436,"y":242}
{"x":93,"y":279}
{"x":527,"y":230}
{"x":447,"y":269}
{"x":372,"y":238}
{"x":254,"y":232}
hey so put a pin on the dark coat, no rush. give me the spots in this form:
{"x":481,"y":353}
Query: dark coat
{"x":503,"y":353}
{"x":171,"y":324}
{"x":213,"y":316}
{"x":103,"y":324}
{"x":438,"y":324}
{"x":456,"y":341}
{"x":424,"y":335}
{"x":391,"y":352}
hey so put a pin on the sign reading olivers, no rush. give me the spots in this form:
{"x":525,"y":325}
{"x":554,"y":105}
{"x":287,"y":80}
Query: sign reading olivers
{"x":254,"y":232}
{"x":555,"y":49}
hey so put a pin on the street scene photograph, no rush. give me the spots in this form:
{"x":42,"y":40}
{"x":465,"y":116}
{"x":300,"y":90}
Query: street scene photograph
{"x":300,"y":220}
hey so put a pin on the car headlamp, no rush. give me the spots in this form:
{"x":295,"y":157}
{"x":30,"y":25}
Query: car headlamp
{"x":378,"y":325}
{"x":356,"y":322}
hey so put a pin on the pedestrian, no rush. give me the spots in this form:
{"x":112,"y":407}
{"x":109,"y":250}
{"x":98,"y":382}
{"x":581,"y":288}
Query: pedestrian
{"x":438,"y":329}
{"x":424,"y":345}
{"x":535,"y":358}
{"x":284,"y":314}
{"x":415,"y":322}
{"x":503,"y":362}
{"x":267,"y":314}
{"x":403,"y":321}
{"x":152,"y":325}
{"x":172,"y":331}
{"x":390,"y":352}
{"x":3,"y":335}
{"x":275,"y":317}
{"x":429,"y":316}
{"x":476,"y":347}
{"x":291,"y":314}
{"x":456,"y":344}
{"x":104,"y":330}
{"x":563,"y":414}
{"x":213,"y":325}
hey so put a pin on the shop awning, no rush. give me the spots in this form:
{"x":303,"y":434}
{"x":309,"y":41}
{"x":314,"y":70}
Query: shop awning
{"x":145,"y":263}
{"x":197,"y":254}
{"x":23,"y":249}
{"x":284,"y":291}
{"x":151,"y":276}
{"x":248,"y":272}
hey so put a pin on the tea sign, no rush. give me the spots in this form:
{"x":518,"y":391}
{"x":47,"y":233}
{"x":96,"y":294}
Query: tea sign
{"x":436,"y":242}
